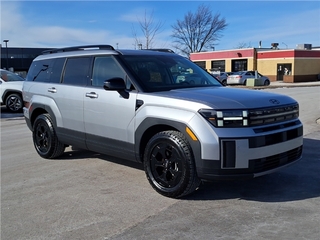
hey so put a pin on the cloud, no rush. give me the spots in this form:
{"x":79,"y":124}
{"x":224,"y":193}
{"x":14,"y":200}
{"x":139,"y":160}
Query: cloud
{"x":287,"y":29}
{"x":25,"y":32}
{"x":136,"y":15}
{"x":22,"y":32}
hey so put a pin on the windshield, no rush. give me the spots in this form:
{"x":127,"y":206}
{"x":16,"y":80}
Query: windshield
{"x":8,"y":76}
{"x":165,"y":72}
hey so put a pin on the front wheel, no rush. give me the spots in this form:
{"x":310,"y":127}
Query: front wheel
{"x":169,"y":164}
{"x":45,"y":139}
{"x":14,"y":102}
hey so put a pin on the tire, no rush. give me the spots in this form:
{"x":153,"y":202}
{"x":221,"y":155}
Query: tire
{"x":169,"y":165}
{"x":224,"y":82}
{"x":14,"y":102}
{"x":45,"y":139}
{"x":266,"y":82}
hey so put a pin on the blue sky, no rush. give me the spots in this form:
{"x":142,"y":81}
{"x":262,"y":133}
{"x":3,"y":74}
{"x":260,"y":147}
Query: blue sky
{"x":69,"y":23}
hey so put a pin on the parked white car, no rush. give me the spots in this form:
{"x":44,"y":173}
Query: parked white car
{"x":242,"y":76}
{"x":11,"y":90}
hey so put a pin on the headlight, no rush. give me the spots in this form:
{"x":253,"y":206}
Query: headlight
{"x":226,"y":118}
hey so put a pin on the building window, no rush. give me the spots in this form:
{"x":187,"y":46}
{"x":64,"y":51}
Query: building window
{"x":218,"y":66}
{"x":239,"y":65}
{"x":201,"y":64}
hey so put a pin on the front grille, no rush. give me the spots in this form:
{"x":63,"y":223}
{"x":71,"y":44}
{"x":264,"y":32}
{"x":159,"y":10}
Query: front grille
{"x":273,"y":115}
{"x":267,"y":140}
{"x":278,"y":160}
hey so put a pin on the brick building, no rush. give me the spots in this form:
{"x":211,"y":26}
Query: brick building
{"x":288,"y":65}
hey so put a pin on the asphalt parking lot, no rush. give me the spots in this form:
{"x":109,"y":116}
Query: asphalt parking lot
{"x":84,"y":195}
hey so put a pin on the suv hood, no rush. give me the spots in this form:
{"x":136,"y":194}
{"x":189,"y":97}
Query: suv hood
{"x":229,"y":98}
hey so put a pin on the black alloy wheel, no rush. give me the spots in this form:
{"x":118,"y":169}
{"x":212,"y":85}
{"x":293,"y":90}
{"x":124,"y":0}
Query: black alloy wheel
{"x":45,"y":140}
{"x":169,"y":164}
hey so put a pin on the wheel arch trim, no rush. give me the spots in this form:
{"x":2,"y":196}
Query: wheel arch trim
{"x":151,"y":126}
{"x":45,"y":105}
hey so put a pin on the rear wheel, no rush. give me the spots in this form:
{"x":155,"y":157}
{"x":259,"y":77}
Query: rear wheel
{"x":224,"y":82}
{"x":266,"y":82}
{"x":45,"y":139}
{"x":14,"y":102}
{"x":169,"y":164}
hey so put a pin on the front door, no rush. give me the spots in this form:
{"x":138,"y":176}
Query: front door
{"x":108,"y":117}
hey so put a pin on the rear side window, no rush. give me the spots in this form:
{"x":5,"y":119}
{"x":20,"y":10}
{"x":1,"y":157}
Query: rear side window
{"x":48,"y":70}
{"x":57,"y":70}
{"x":40,"y":71}
{"x":77,"y":71}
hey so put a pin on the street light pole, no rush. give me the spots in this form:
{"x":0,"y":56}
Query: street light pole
{"x":6,"y":42}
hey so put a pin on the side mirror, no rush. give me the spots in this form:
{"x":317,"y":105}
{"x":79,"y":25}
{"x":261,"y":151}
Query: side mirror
{"x":116,"y":84}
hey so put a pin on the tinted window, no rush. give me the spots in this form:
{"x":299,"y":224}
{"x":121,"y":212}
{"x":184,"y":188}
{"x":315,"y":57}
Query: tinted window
{"x":40,"y":71}
{"x":165,"y":72}
{"x":105,"y":68}
{"x":57,"y":70}
{"x":77,"y":71}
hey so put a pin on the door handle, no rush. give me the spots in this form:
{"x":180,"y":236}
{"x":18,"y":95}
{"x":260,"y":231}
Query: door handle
{"x":52,"y":90}
{"x":92,"y":95}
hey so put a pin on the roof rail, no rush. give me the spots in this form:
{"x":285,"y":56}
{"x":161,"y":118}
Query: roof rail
{"x":70,"y":49}
{"x":160,"y":50}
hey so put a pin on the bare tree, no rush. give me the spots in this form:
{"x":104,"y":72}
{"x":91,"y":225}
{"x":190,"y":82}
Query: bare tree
{"x":243,"y":45}
{"x":149,"y":29}
{"x":198,"y":31}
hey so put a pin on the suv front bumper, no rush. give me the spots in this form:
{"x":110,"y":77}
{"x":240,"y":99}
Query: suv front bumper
{"x":253,"y":156}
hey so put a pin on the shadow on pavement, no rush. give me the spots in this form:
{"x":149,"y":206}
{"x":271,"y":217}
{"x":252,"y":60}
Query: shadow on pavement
{"x":6,"y":114}
{"x":78,"y":154}
{"x":296,"y":182}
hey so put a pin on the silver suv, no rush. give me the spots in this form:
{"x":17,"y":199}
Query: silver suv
{"x":160,"y":109}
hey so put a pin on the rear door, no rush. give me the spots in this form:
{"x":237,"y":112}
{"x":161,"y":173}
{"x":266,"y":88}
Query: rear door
{"x":69,"y":97}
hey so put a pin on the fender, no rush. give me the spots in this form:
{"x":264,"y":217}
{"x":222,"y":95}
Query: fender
{"x":39,"y":103}
{"x":151,"y":126}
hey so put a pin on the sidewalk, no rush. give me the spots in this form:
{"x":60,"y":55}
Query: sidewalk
{"x":281,"y":84}
{"x":299,"y":84}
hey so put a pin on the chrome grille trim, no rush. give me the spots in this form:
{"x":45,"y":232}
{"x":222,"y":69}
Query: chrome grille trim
{"x":273,"y":115}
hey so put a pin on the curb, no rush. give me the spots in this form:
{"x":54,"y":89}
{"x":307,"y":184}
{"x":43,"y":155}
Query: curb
{"x":280,"y":85}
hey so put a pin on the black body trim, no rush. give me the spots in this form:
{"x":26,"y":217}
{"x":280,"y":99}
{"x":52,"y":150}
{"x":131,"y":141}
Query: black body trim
{"x":212,"y":169}
{"x":112,"y":147}
{"x":151,"y":126}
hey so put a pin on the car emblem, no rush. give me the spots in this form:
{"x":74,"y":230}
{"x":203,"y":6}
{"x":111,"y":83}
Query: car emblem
{"x":274,"y":101}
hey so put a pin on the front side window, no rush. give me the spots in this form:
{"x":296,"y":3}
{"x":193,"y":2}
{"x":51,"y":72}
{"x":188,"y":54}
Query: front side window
{"x":105,"y":68}
{"x":165,"y":72}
